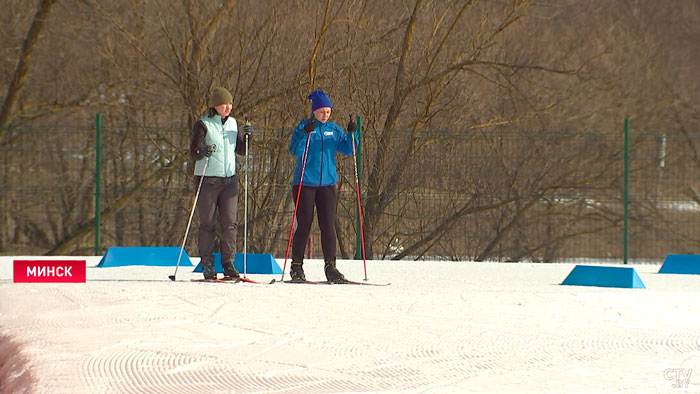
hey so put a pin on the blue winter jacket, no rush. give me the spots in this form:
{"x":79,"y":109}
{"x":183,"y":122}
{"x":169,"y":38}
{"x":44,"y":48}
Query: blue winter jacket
{"x":326,"y":139}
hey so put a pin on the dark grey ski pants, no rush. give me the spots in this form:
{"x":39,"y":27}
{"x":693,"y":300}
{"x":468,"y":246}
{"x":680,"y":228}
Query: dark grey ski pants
{"x":218,"y":196}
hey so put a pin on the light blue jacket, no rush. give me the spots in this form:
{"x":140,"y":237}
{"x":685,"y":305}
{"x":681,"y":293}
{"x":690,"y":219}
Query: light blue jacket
{"x":325,"y":140}
{"x":222,"y":162}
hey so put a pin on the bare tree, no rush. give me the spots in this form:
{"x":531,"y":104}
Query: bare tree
{"x":430,"y":62}
{"x":19,"y":75}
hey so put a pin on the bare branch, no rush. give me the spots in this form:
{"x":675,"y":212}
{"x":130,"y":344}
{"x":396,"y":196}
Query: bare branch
{"x":20,"y":73}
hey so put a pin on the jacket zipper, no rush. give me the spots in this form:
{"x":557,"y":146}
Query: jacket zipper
{"x":225,"y":144}
{"x":320,"y":178}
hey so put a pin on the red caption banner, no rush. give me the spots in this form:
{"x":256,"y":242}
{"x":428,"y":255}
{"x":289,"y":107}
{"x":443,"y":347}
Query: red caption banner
{"x":48,"y":271}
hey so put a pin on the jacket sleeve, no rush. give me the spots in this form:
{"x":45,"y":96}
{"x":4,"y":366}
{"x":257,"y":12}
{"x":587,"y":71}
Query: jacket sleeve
{"x":298,"y":143}
{"x":345,"y":142}
{"x":199,"y":131}
{"x":240,"y":142}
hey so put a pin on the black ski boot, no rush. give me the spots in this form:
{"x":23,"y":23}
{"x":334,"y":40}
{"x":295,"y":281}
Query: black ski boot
{"x":297,"y":271}
{"x":208,"y":269}
{"x":230,"y":272}
{"x":332,"y":273}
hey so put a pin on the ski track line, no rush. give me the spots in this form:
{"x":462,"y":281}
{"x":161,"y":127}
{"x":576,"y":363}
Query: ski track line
{"x":47,"y":323}
{"x":623,"y":343}
{"x":455,"y":357}
{"x":183,"y":299}
{"x":302,"y":383}
{"x":389,"y":373}
{"x":303,"y":377}
{"x":142,"y":316}
{"x":273,"y":373}
{"x":405,"y":367}
{"x":462,"y":355}
{"x":215,"y":310}
{"x":311,"y":385}
{"x":89,"y":297}
{"x":401,"y":369}
{"x":267,"y":349}
{"x":489,"y":350}
{"x":138,"y":371}
{"x":444,"y":382}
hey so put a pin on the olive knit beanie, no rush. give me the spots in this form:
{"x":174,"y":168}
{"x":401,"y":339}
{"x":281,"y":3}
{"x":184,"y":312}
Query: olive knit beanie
{"x":220,"y":96}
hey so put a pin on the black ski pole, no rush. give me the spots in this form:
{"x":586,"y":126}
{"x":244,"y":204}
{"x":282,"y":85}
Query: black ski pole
{"x":245,"y":208}
{"x":189,"y":222}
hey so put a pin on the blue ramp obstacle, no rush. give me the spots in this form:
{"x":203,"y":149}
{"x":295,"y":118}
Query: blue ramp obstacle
{"x":160,"y":256}
{"x":593,"y":275}
{"x":257,"y":263}
{"x":681,"y":264}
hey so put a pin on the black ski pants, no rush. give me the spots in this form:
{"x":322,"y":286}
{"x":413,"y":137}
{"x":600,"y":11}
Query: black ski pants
{"x":323,"y":198}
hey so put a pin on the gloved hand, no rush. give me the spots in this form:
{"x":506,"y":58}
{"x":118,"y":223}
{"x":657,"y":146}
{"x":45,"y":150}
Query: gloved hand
{"x":352,"y":126}
{"x":206,"y":150}
{"x":309,"y":126}
{"x":248,"y":128}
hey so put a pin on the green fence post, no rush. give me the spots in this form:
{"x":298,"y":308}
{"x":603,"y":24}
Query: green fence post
{"x":625,"y":197}
{"x":358,"y":234}
{"x":98,"y":165}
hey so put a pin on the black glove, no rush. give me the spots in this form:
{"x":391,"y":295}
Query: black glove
{"x":206,"y":150}
{"x":309,"y":126}
{"x":352,"y":126}
{"x":248,"y":129}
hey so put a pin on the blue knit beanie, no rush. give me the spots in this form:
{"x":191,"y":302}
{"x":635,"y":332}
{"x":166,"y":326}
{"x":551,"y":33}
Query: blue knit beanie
{"x":319,"y":100}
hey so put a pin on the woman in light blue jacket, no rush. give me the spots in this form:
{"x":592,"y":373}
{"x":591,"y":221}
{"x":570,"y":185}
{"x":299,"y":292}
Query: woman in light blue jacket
{"x":214,"y":145}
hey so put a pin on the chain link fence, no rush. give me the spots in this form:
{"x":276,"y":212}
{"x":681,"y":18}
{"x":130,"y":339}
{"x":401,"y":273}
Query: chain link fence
{"x":486,"y":195}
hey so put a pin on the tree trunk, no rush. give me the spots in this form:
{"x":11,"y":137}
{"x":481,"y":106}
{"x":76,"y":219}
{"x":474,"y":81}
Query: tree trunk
{"x":20,"y":73}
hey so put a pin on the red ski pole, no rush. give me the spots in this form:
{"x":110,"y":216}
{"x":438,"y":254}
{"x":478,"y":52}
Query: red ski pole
{"x":359,"y":205}
{"x":296,"y":203}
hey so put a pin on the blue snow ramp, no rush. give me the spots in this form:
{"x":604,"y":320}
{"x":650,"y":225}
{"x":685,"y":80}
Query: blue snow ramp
{"x":688,"y":264}
{"x":159,"y":256}
{"x":593,"y":275}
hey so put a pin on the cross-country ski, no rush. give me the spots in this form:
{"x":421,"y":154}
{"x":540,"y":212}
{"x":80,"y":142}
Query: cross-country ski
{"x":233,"y":280}
{"x":346,"y":282}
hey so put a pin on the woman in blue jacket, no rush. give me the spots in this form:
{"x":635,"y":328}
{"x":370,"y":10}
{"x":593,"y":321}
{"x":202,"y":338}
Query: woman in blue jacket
{"x":318,"y":186}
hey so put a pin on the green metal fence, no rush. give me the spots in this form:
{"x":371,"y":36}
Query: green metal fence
{"x":486,"y":195}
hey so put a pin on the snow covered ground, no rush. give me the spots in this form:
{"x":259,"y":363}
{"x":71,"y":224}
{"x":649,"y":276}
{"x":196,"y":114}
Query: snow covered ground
{"x":440,"y":327}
